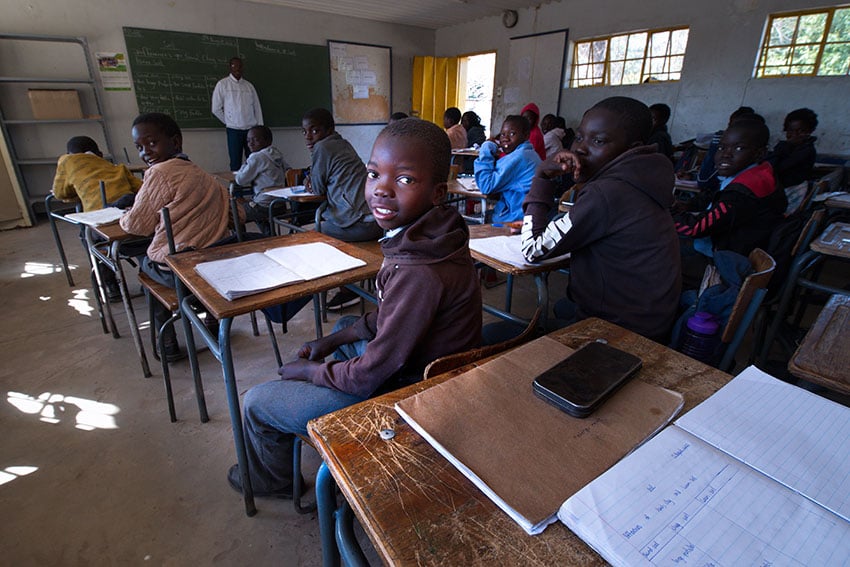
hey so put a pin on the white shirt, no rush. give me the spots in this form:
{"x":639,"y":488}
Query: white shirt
{"x":235,"y":102}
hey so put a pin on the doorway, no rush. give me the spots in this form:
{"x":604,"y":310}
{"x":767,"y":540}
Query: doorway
{"x":477,"y":78}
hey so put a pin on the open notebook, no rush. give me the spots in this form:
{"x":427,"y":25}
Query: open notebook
{"x":266,"y":197}
{"x":254,"y":273}
{"x":526,"y":455}
{"x":507,"y":249}
{"x":758,"y":474}
{"x":106,"y":215}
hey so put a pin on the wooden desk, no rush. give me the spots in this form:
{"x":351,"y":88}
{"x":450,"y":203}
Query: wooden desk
{"x":823,"y":357}
{"x":225,"y":310}
{"x":417,"y":509}
{"x":833,"y":242}
{"x":540,"y":272}
{"x":463,"y":194}
{"x":225,"y":177}
{"x":108,"y":252}
{"x":838,"y":202}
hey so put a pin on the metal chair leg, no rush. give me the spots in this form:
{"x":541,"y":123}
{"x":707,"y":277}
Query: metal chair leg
{"x":297,"y":479}
{"x":326,"y":501}
{"x":349,"y":549}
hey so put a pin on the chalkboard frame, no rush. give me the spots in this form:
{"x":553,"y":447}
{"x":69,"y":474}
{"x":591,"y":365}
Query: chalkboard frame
{"x":387,"y":66}
{"x":289,"y":77}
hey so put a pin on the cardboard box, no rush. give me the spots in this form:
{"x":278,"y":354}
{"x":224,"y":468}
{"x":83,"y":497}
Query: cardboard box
{"x":54,"y":104}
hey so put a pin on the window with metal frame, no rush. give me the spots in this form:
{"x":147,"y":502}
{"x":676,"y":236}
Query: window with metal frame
{"x":630,"y":58}
{"x":805,"y":44}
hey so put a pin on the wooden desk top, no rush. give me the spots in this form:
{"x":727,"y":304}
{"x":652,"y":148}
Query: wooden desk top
{"x":183,"y":265}
{"x":303,"y":197}
{"x":835,"y":240}
{"x":455,"y":187}
{"x":488,"y":230}
{"x":465,"y":152}
{"x":419,"y":510}
{"x":113,"y":232}
{"x":225,"y":177}
{"x":823,"y":357}
{"x":838,"y":202}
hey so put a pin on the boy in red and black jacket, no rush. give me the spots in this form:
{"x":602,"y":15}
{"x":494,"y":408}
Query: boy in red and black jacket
{"x":743,"y":212}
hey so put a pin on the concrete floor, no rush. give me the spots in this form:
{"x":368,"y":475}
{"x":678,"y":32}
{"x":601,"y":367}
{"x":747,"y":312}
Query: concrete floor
{"x":92,"y":472}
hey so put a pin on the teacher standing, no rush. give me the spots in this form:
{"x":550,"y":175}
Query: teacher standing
{"x":235,"y":103}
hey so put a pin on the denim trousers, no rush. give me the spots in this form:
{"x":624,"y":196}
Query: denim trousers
{"x":237,"y":146}
{"x":275,"y":411}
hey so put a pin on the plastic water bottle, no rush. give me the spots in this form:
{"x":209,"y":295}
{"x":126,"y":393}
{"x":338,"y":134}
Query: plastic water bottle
{"x":702,"y":337}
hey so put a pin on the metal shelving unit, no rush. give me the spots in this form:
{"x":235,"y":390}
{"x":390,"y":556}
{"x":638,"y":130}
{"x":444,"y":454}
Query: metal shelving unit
{"x":15,"y":129}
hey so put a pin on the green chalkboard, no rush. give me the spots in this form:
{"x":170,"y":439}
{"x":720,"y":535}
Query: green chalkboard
{"x":175,"y":73}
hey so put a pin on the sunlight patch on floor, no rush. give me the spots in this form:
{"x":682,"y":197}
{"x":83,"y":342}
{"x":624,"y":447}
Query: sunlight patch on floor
{"x":87,"y":415}
{"x":81,"y":302}
{"x":11,"y":473}
{"x":32,"y":269}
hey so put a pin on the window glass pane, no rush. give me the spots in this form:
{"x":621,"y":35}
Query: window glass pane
{"x":776,"y":71}
{"x":616,"y":70}
{"x":811,"y":28}
{"x":778,"y":56}
{"x":839,"y":30}
{"x":618,"y":47}
{"x":637,"y":45}
{"x":599,"y":48}
{"x":656,"y":65}
{"x":659,"y":43}
{"x":680,"y":41}
{"x":782,"y":30}
{"x":802,"y":69}
{"x":676,"y":63}
{"x":598,"y":72}
{"x":835,"y":59}
{"x":583,"y":53}
{"x":805,"y":54}
{"x":631,"y":74}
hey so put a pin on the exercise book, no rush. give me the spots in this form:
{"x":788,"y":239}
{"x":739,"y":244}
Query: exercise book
{"x":277,"y":267}
{"x":525,"y":454}
{"x":758,"y":474}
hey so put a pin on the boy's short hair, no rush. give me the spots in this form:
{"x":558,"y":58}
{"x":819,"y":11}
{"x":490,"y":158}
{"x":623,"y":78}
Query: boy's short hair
{"x":81,"y":145}
{"x":163,"y":121}
{"x":398,"y":116}
{"x":436,"y":142}
{"x":635,"y":117}
{"x":453,"y":114}
{"x":758,"y":130}
{"x":521,"y":121}
{"x":321,"y":116}
{"x":265,"y":133}
{"x":662,"y":110}
{"x":805,"y":115}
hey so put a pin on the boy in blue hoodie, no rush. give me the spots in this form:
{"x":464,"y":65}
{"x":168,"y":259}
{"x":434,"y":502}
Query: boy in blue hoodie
{"x":509,"y":176}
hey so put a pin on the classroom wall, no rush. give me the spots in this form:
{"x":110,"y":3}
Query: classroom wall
{"x":100,"y":22}
{"x":717,"y":78}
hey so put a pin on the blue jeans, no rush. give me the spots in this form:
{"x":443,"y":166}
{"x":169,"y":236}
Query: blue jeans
{"x":275,"y":411}
{"x":237,"y":146}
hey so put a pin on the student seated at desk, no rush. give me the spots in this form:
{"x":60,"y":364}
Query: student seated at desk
{"x":78,"y":177}
{"x":743,"y":212}
{"x":80,"y":171}
{"x":264,"y":168}
{"x":659,"y":135}
{"x":794,"y":158}
{"x":198,"y":205}
{"x":338,"y":173}
{"x":429,"y":306}
{"x":624,"y":264}
{"x":553,"y":135}
{"x":455,"y":132}
{"x":508,"y":176}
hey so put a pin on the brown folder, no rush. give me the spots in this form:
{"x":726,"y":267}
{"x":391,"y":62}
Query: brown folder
{"x":524,"y":453}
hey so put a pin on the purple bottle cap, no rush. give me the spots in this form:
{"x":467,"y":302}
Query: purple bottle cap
{"x":703,"y":323}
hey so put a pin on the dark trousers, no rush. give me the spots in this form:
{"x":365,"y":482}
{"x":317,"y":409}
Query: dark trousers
{"x":237,"y":146}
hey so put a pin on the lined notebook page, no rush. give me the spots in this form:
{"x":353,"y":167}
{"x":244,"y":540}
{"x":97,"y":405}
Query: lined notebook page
{"x":679,"y":501}
{"x":794,"y":436}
